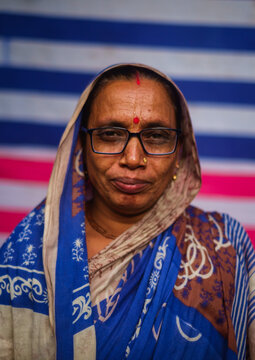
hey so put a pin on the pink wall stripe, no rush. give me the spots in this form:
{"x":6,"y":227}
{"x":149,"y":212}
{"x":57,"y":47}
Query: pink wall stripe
{"x":251,"y":233}
{"x":10,"y":219}
{"x":228,"y":185}
{"x":25,"y":170}
{"x":215,"y":184}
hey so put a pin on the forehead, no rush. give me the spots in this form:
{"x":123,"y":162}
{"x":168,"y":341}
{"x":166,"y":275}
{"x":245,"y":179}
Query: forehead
{"x":123,"y":88}
{"x":124,"y":99}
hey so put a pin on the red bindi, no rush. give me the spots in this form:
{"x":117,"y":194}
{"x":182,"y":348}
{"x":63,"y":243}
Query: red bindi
{"x":137,"y":78}
{"x":136,"y":120}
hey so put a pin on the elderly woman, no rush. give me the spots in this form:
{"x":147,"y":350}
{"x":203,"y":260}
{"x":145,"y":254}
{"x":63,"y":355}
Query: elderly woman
{"x":116,"y":263}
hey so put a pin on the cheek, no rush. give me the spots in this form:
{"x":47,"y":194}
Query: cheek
{"x":97,"y":166}
{"x":163,"y":169}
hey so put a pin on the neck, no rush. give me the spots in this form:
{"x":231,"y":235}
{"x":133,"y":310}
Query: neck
{"x":111,"y":221}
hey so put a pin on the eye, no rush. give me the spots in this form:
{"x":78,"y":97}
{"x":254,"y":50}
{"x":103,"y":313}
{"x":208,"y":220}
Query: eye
{"x":156,"y":135}
{"x":110,"y":134}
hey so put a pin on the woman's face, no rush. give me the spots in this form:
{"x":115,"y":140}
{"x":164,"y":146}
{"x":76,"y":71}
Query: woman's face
{"x":124,"y":183}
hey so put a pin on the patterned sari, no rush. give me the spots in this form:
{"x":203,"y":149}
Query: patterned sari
{"x":179,"y":283}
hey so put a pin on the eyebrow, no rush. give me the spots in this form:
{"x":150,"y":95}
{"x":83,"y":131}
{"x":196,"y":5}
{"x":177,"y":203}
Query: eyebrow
{"x":155,"y":124}
{"x":144,"y":125}
{"x":114,"y":123}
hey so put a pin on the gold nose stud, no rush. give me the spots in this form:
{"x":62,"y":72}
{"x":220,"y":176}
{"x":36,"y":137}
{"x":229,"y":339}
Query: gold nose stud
{"x":145,"y":160}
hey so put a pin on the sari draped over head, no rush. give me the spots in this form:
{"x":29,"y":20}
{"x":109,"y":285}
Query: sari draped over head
{"x":178,"y":283}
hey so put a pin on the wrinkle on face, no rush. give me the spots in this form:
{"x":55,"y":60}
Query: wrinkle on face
{"x":124,"y":98}
{"x":115,"y":105}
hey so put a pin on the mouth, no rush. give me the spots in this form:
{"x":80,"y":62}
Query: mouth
{"x":129,"y":185}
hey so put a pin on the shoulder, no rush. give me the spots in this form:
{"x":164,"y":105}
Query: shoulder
{"x":232,"y":230}
{"x":23,"y":284}
{"x":24,"y":245}
{"x":236,"y":233}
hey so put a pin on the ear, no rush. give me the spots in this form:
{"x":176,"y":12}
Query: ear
{"x":178,"y":154}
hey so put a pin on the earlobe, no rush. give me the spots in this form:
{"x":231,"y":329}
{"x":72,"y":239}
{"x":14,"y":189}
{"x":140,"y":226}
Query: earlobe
{"x":177,"y":166}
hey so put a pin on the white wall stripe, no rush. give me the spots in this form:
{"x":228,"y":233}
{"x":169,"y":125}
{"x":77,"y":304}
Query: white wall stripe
{"x":228,"y":167}
{"x":53,"y":109}
{"x":21,"y":196}
{"x":225,"y":12}
{"x":57,"y":110}
{"x":216,"y":120}
{"x":241,"y":209}
{"x":28,"y":153}
{"x":186,"y":64}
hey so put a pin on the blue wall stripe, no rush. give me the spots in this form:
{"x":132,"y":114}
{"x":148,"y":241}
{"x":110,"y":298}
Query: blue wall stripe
{"x":33,"y":134}
{"x":43,"y":80}
{"x":127,"y":32}
{"x":19,"y":133}
{"x":74,"y":83}
{"x":226,"y":147}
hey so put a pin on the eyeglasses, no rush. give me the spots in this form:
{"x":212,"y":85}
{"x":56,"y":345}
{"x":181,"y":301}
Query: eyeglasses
{"x":113,"y":140}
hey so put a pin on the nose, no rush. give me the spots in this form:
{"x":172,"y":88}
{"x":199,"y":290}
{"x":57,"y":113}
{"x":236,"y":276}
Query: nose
{"x":133,"y":155}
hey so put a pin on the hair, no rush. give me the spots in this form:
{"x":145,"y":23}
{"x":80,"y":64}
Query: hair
{"x":130,"y":72}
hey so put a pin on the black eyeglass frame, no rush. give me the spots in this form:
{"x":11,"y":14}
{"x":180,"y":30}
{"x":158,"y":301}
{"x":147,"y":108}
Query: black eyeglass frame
{"x":130,"y":135}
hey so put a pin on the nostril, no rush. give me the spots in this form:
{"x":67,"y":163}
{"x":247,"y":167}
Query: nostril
{"x":133,"y":154}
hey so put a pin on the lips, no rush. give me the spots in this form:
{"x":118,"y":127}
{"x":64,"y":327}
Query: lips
{"x":129,"y":185}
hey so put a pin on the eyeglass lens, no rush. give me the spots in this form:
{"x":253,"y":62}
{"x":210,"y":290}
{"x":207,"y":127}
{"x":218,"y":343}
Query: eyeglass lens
{"x":113,"y":140}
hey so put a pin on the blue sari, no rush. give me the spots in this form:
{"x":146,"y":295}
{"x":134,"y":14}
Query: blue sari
{"x":151,"y":317}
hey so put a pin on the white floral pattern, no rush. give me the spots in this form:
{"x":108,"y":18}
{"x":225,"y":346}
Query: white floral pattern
{"x":78,"y":250}
{"x":83,"y":228}
{"x":29,"y":256}
{"x":25,"y":234}
{"x":40,"y":218}
{"x":27,"y":220}
{"x":21,"y":270}
{"x":8,"y":254}
{"x":86,"y":272}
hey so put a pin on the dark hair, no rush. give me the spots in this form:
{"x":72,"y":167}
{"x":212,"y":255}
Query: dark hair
{"x":129,"y":72}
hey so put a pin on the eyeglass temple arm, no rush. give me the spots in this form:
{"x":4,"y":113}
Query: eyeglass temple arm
{"x":84,"y":129}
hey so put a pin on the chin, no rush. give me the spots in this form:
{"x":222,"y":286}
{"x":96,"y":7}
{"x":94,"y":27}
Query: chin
{"x":133,"y":208}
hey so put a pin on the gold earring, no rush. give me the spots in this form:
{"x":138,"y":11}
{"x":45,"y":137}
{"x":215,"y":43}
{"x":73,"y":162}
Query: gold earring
{"x":175,"y":175}
{"x":145,"y":160}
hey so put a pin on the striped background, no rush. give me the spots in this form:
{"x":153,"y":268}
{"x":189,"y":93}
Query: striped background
{"x":49,"y":51}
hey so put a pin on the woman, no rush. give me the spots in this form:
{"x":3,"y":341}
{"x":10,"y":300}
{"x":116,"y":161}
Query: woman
{"x":117,"y":264}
